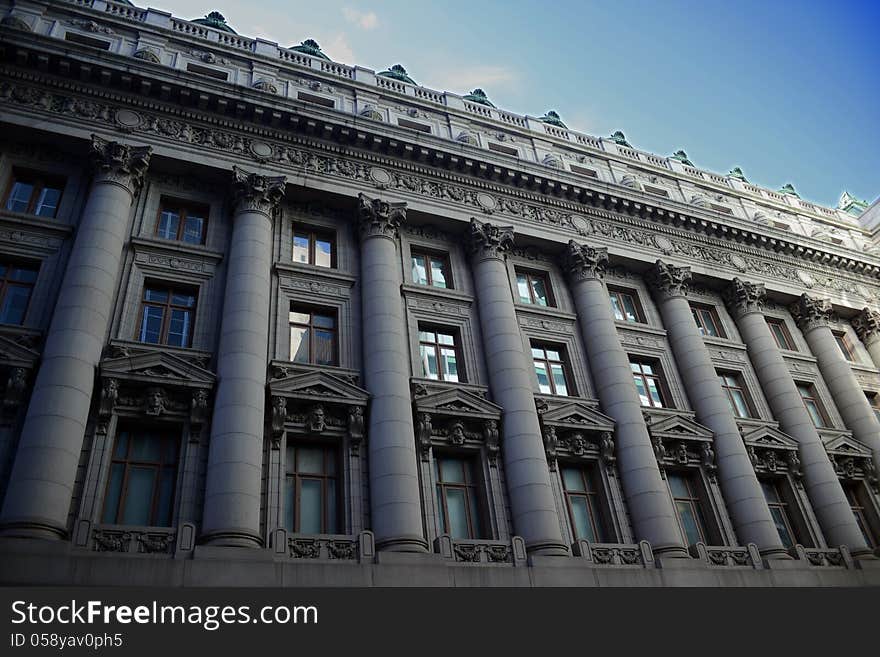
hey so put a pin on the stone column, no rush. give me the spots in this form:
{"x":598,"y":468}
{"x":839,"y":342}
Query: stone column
{"x":510,"y":379}
{"x":867,"y":326}
{"x":745,"y":301}
{"x":647,"y":496}
{"x":41,"y":484}
{"x":813,"y":316}
{"x":742,"y":493}
{"x":395,"y":501}
{"x":235,"y":457}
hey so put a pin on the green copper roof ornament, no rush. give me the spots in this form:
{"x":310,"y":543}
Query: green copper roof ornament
{"x":479,"y":96}
{"x":851,"y":205}
{"x":619,"y":138}
{"x":310,"y":47}
{"x":216,"y":20}
{"x":552,"y":118}
{"x":397,"y":72}
{"x":682,"y":157}
{"x":737,"y":173}
{"x":788,"y":189}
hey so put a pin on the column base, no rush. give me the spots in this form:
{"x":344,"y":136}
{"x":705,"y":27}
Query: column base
{"x":673,"y":551}
{"x":548,"y":549}
{"x":776,"y":554}
{"x":240,"y":538}
{"x":33,"y":529}
{"x":402,"y":544}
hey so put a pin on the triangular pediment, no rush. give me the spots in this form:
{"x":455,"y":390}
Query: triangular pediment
{"x":319,"y":386}
{"x":769,"y":437}
{"x":846,"y":445}
{"x":678,"y":427}
{"x":577,"y":415}
{"x":16,"y":355}
{"x":459,"y":402}
{"x":156,"y":366}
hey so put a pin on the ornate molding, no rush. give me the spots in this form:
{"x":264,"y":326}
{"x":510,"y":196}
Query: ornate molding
{"x":119,"y":163}
{"x":667,"y":281}
{"x":255,"y":193}
{"x":867,"y":325}
{"x":584,"y":263}
{"x":378,"y":218}
{"x":811,"y":312}
{"x":743,"y":297}
{"x":486,"y":241}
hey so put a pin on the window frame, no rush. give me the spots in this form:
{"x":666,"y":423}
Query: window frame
{"x":659,"y":376}
{"x":314,"y":234}
{"x":455,"y":334}
{"x":700,"y":311}
{"x":432,"y":256}
{"x":813,"y":396}
{"x":854,"y":491}
{"x":183,"y":208}
{"x":335,"y":452}
{"x":846,"y":346}
{"x":564,"y":363}
{"x":595,"y":500}
{"x":313,"y":310}
{"x":171,"y":289}
{"x":6,"y":282}
{"x":474,"y":488}
{"x":738,"y":384}
{"x":530,"y":274}
{"x":615,"y":292}
{"x":783,"y":329}
{"x":784,"y":505}
{"x":41,"y":181}
{"x":874,"y":402}
{"x":696,"y":501}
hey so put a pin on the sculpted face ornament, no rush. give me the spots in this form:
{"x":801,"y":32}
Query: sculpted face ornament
{"x":457,"y":434}
{"x":155,"y":401}
{"x":317,"y":420}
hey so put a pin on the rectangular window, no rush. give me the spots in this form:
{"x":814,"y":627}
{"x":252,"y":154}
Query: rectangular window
{"x":167,"y":315}
{"x":16,"y":286}
{"x":143,"y":475}
{"x":736,"y":394}
{"x":534,"y":288}
{"x":688,"y":507}
{"x":34,"y":193}
{"x":84,"y":40}
{"x":313,"y":335}
{"x":438,"y":351}
{"x":779,"y":512}
{"x":625,"y":305}
{"x":182,"y":222}
{"x":780,"y":334}
{"x":583,"y":502}
{"x":311,"y":492}
{"x":458,"y":500}
{"x":649,"y":383}
{"x":707,"y":320}
{"x":845,"y":346}
{"x":207,"y":71}
{"x":862,"y":510}
{"x":551,"y":369}
{"x":431,"y":269}
{"x":314,"y":247}
{"x":811,"y":401}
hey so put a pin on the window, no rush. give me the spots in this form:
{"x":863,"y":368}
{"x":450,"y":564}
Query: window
{"x":707,"y":320}
{"x":845,"y":346}
{"x":312,"y":336}
{"x":34,"y":193}
{"x":458,"y":501}
{"x":780,"y":334}
{"x":625,"y":306}
{"x":688,"y":507}
{"x":167,"y":316}
{"x":874,"y":401}
{"x":533,"y":288}
{"x":310,"y":490}
{"x":143,"y":473}
{"x":582,"y":500}
{"x":736,"y":394}
{"x":182,"y":222}
{"x":312,"y":247}
{"x":779,"y":512}
{"x":438,"y":352}
{"x":649,"y":383}
{"x":431,"y":269}
{"x":16,"y":285}
{"x":811,"y":401}
{"x":860,"y":504}
{"x":551,"y":369}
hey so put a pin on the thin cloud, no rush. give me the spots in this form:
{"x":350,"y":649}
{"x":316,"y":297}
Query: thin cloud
{"x":339,"y":49}
{"x":364,"y":20}
{"x":462,"y":79}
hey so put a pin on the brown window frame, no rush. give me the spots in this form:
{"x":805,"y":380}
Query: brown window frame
{"x":813,"y":396}
{"x":547,"y":361}
{"x":433,"y":256}
{"x":455,"y":334}
{"x":183,"y":208}
{"x":473,"y":488}
{"x":695,"y":500}
{"x":780,"y":323}
{"x":312,"y":328}
{"x":6,"y":283}
{"x":592,"y":492}
{"x":699,"y":312}
{"x":314,"y":235}
{"x":534,"y":274}
{"x":618,"y":293}
{"x":854,"y":490}
{"x":329,"y":524}
{"x":846,"y":347}
{"x":783,"y":504}
{"x":40,"y":181}
{"x":738,"y":384}
{"x":659,"y":376}
{"x":167,"y":307}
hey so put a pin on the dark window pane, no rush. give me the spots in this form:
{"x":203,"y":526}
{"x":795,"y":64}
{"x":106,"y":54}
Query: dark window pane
{"x":457,"y":508}
{"x":310,"y":506}
{"x":168,"y":224}
{"x":580,"y":512}
{"x":151,"y":325}
{"x":20,"y":196}
{"x":114,"y":491}
{"x":193,"y":229}
{"x":139,"y":496}
{"x":47,"y":203}
{"x":157,"y":295}
{"x":15,"y":303}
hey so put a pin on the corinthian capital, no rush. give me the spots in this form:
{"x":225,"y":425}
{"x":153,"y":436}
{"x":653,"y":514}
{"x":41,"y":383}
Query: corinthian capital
{"x":378,"y":218}
{"x":252,"y":192}
{"x":668,"y":281}
{"x":583,"y":263}
{"x":486,"y":241}
{"x":810,"y":312}
{"x":867,"y":325}
{"x":119,"y":163}
{"x":743,"y":297}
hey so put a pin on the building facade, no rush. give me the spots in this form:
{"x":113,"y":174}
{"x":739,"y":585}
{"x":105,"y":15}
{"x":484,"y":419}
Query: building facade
{"x":267,"y":319}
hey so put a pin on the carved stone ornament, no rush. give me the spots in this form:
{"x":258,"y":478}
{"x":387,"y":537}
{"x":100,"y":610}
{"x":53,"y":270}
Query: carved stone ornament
{"x":109,"y":396}
{"x":867,"y":325}
{"x":493,"y":440}
{"x":606,"y":447}
{"x":148,"y":55}
{"x":583,"y":263}
{"x":15,"y":22}
{"x":487,"y":241}
{"x":551,"y":443}
{"x":743,"y":297}
{"x":424,"y":431}
{"x":279,"y":416}
{"x":255,"y":193}
{"x":120,"y":163}
{"x":355,"y":428}
{"x":16,"y":388}
{"x":378,"y":218}
{"x":317,"y":419}
{"x":155,"y":401}
{"x":810,"y":312}
{"x":198,"y":413}
{"x":266,"y":85}
{"x":667,"y":281}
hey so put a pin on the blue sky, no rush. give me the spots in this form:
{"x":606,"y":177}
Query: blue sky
{"x":789,"y":91}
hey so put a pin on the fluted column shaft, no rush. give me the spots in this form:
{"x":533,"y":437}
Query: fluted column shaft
{"x":510,"y":378}
{"x":823,"y":487}
{"x":235,"y":457}
{"x":41,"y":484}
{"x":867,"y":325}
{"x":742,"y":492}
{"x":650,"y":508}
{"x":395,"y":501}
